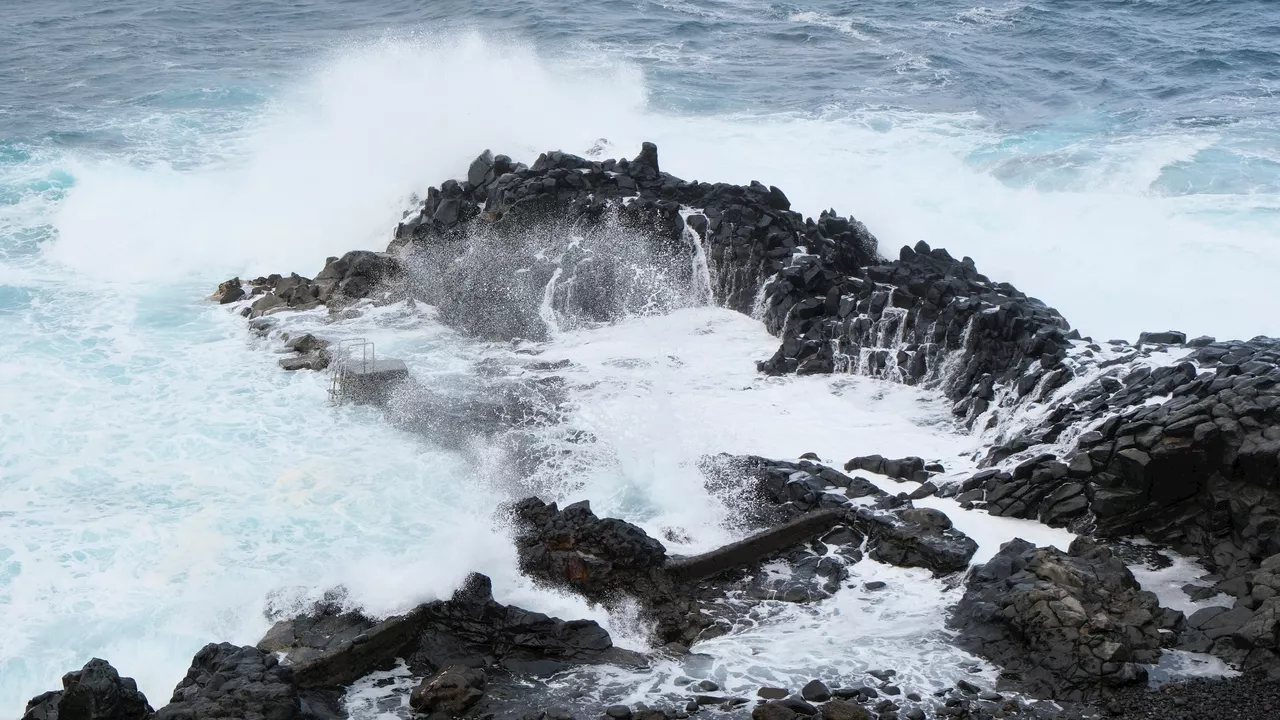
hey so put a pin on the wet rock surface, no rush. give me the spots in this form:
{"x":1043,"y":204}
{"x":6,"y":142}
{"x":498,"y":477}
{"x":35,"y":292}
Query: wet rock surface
{"x":896,"y":532}
{"x":915,"y":537}
{"x":95,"y":692}
{"x":1069,"y":626}
{"x":329,"y":647}
{"x":1247,"y":634}
{"x":1253,"y":695}
{"x":1174,"y":440}
{"x":226,"y":681}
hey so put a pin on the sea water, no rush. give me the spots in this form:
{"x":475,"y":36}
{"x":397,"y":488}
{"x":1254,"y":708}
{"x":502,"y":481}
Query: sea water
{"x":162,"y":481}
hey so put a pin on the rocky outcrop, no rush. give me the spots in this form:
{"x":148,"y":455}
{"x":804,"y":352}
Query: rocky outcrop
{"x":1068,"y":626}
{"x":95,"y":692}
{"x":311,"y":353}
{"x":915,"y":537}
{"x":763,"y":491}
{"x":228,"y":292}
{"x":452,"y":691}
{"x":354,"y":276}
{"x":226,"y":681}
{"x":896,"y":532}
{"x":925,"y":317}
{"x":607,"y":560}
{"x":909,"y":468}
{"x":597,"y":557}
{"x":329,"y":647}
{"x":746,"y":232}
{"x":1186,"y":454}
{"x":1248,"y":634}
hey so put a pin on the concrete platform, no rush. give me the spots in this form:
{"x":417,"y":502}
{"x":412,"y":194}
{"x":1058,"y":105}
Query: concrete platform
{"x":369,"y":383}
{"x":756,"y":547}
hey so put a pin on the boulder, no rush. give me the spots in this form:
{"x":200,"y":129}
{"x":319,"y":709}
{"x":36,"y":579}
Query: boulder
{"x":1169,"y":337}
{"x":226,"y":681}
{"x":844,"y":710}
{"x":597,"y":557}
{"x":229,"y":291}
{"x":95,"y":692}
{"x":452,"y":691}
{"x":815,"y":691}
{"x":1066,"y":626}
{"x":915,"y":537}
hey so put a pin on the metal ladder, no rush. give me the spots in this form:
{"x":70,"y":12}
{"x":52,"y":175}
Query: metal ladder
{"x":345,"y":360}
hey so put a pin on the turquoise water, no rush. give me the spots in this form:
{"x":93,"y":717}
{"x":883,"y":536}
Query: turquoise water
{"x":159,"y":476}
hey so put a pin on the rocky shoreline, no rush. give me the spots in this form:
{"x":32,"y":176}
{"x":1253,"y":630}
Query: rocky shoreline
{"x":1173,"y":441}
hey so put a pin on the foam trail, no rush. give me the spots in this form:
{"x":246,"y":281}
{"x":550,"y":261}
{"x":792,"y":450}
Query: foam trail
{"x":169,"y":477}
{"x":330,"y":167}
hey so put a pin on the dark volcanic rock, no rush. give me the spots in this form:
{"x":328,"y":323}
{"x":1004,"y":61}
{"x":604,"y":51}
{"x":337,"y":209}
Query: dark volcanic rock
{"x":896,"y":532}
{"x":1169,"y":337}
{"x":916,"y":537}
{"x":1064,"y":626}
{"x":605,"y":559}
{"x":763,"y":491}
{"x":330,"y":647}
{"x":451,"y":691}
{"x":229,"y":291}
{"x":1248,"y":635}
{"x":95,"y":692}
{"x":1253,"y":695}
{"x":598,"y":557}
{"x":909,"y":468}
{"x":312,"y":353}
{"x":226,"y":681}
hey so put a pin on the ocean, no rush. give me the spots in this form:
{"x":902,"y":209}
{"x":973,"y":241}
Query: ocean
{"x":162,"y":481}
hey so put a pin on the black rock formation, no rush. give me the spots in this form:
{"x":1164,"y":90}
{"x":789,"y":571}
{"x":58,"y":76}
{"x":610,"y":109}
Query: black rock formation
{"x":1068,"y":626}
{"x":897,"y":533}
{"x":226,"y":681}
{"x":330,"y":648}
{"x":95,"y":692}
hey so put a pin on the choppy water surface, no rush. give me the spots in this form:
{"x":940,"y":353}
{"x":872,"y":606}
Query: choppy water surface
{"x":159,"y":476}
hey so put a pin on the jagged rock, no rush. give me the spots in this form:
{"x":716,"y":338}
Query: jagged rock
{"x":1247,"y":635}
{"x":226,"y":681}
{"x":313,"y":353}
{"x":1066,"y":626}
{"x":95,"y":692}
{"x":329,"y":647}
{"x":916,"y":537}
{"x":598,"y":557}
{"x":265,"y":305}
{"x":764,"y":491}
{"x":229,"y":291}
{"x":452,"y":691}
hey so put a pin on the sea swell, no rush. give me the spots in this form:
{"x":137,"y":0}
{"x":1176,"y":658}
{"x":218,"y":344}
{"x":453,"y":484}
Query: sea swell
{"x":128,"y":397}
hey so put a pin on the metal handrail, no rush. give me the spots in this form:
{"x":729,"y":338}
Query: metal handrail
{"x":344,"y":359}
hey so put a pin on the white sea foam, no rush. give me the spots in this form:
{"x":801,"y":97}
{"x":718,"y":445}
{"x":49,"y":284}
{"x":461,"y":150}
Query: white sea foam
{"x":330,"y":166}
{"x":161,"y":476}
